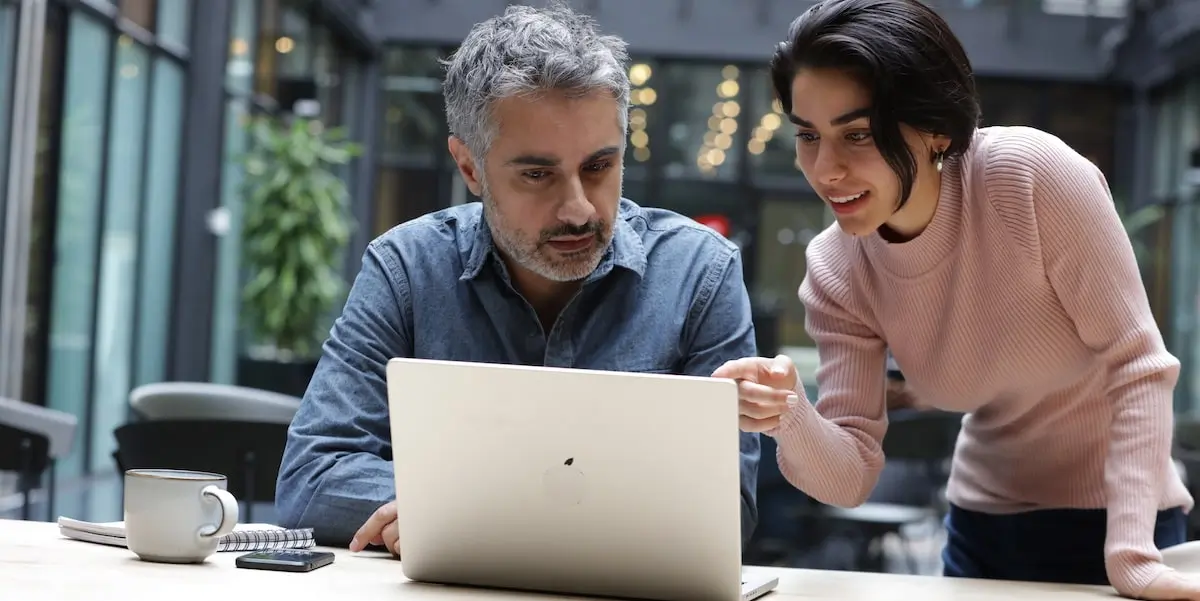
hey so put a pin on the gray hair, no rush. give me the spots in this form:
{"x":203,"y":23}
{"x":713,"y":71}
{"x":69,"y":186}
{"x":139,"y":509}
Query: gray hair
{"x":526,"y":51}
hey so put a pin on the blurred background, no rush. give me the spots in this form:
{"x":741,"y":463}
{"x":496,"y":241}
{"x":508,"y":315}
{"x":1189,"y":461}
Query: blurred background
{"x":189,"y":186}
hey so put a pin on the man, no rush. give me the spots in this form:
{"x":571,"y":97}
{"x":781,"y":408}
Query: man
{"x":553,"y":268}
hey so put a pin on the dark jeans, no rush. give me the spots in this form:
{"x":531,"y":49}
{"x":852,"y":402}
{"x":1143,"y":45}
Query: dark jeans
{"x":1050,"y":545}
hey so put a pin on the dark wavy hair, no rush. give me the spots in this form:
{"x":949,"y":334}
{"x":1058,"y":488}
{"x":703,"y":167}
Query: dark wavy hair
{"x":907,"y":58}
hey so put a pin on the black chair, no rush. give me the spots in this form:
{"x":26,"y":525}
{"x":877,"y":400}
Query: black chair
{"x":924,"y":439}
{"x":31,"y":439}
{"x":247,"y":453}
{"x":28,"y":455}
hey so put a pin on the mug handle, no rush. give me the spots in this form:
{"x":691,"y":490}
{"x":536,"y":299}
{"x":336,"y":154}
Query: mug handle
{"x":229,"y":512}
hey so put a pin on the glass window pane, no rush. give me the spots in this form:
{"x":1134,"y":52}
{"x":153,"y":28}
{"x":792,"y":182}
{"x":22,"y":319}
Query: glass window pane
{"x":227,"y":298}
{"x":266,"y":58}
{"x":140,"y":12}
{"x":788,"y":222}
{"x":158,"y":224}
{"x":174,"y":17}
{"x":702,"y":104}
{"x":8,"y":49}
{"x":640,"y":145}
{"x":239,"y":68}
{"x":37,"y":300}
{"x":295,"y":42}
{"x":771,"y":141}
{"x":119,"y":246}
{"x":77,"y":230}
{"x":414,"y":127}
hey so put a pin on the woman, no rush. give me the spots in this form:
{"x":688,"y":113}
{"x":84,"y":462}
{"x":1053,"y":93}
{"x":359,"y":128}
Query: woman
{"x":993,"y":265}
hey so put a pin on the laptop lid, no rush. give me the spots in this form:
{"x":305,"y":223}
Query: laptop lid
{"x":565,"y":480}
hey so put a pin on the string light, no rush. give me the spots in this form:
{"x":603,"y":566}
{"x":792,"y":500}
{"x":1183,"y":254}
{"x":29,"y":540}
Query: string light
{"x":641,"y":95}
{"x":765,"y":130}
{"x":722,"y":124}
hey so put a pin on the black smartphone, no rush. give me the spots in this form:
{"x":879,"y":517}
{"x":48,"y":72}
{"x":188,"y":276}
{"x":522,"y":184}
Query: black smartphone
{"x":285,"y":560}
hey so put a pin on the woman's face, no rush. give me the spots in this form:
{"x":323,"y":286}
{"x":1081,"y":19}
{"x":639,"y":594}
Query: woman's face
{"x":837,"y":154}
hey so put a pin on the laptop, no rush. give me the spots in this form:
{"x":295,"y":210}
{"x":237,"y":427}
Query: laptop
{"x":569,"y":481}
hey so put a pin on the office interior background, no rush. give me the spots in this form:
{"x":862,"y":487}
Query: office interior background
{"x":124,"y":125}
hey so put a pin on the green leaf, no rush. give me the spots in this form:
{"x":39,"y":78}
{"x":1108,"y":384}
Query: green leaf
{"x":295,"y":227}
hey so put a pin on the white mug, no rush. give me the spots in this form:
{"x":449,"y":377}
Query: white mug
{"x":177,"y":516}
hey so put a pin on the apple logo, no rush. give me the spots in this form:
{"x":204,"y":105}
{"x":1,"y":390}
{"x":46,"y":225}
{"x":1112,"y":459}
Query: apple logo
{"x":563,"y":483}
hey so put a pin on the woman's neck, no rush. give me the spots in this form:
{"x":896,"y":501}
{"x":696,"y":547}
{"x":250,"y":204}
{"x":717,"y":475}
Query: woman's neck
{"x":917,"y":213}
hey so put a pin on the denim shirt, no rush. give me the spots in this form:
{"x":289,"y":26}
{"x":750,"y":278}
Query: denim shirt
{"x":668,"y":297}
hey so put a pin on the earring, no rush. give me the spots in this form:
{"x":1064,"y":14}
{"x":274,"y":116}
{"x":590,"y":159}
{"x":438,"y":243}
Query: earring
{"x":939,"y":160}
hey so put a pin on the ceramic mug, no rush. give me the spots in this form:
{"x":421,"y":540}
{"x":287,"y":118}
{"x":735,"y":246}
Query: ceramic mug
{"x":177,"y":516}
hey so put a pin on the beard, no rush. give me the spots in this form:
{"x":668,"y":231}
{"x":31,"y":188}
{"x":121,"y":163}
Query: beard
{"x":535,"y":255}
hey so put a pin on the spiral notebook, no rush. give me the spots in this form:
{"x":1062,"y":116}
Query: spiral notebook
{"x":245,"y":537}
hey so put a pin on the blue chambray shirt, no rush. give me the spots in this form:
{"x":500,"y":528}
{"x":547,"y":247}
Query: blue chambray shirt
{"x":667,"y":297}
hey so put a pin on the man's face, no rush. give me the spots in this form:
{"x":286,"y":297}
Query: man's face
{"x":552,"y":181}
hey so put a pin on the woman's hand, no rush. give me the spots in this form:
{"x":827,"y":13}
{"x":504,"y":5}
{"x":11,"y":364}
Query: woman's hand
{"x":1173,"y":586}
{"x":766,"y":387}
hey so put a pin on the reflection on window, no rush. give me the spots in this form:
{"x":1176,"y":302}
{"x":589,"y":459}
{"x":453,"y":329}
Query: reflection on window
{"x":174,"y":17}
{"x":295,"y":42}
{"x":239,"y":66}
{"x":414,"y":127}
{"x":772,"y":142}
{"x":8,"y":51}
{"x":704,"y":102}
{"x":118,"y":247}
{"x":158,"y":223}
{"x":76,"y":235}
{"x":786,"y":226}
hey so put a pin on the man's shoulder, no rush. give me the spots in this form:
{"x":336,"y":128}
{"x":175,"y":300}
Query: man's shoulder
{"x":667,"y":233}
{"x":442,"y":233}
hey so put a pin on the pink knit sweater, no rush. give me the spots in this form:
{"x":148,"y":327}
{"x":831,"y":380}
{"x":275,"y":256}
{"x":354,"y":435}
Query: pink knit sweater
{"x":1021,"y":305}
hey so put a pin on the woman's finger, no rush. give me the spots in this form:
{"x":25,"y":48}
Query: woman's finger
{"x":752,"y":391}
{"x":746,"y":368}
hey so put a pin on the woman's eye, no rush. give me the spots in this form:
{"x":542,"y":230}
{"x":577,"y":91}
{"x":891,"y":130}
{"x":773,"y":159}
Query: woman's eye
{"x":858,"y":136}
{"x":806,"y":137}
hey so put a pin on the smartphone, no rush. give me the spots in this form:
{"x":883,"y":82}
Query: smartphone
{"x":285,"y":560}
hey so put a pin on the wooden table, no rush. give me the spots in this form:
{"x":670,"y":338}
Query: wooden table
{"x":36,"y":562}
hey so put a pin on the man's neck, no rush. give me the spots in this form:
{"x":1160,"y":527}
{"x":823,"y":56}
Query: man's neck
{"x":547,"y":297}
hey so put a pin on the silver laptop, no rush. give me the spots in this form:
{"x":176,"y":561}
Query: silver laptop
{"x":569,"y":481}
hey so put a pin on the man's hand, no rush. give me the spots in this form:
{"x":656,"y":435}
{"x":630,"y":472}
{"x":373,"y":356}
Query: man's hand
{"x":379,"y":529}
{"x":1173,"y":586}
{"x":766,"y":387}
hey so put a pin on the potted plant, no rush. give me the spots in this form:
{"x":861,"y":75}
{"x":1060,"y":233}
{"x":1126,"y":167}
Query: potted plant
{"x":296,"y":225}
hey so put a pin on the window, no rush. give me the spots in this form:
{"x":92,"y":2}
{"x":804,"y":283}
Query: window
{"x":174,"y":18}
{"x":140,"y":12}
{"x":116,"y":295}
{"x":158,"y":221}
{"x":771,"y":141}
{"x":8,"y":50}
{"x":227,"y":297}
{"x":76,"y":236}
{"x":414,"y":123}
{"x":703,"y":105}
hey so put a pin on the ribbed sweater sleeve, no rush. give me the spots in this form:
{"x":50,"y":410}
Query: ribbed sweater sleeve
{"x":831,"y":450}
{"x":1090,"y":263}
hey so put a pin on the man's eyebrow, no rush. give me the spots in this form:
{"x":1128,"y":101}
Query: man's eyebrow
{"x":535,"y":160}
